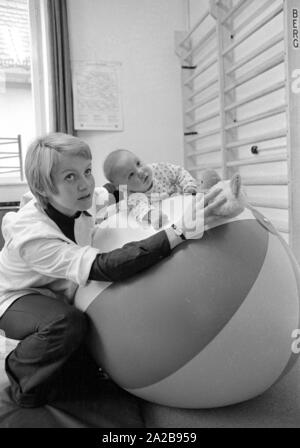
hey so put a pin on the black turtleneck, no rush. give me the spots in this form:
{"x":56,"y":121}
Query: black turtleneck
{"x":65,"y":223}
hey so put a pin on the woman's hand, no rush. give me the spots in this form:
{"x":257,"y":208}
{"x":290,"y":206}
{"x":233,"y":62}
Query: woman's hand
{"x":200,"y":213}
{"x":211,"y":203}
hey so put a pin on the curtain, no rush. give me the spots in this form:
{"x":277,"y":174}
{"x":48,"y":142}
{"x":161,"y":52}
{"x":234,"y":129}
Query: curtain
{"x":61,"y":67}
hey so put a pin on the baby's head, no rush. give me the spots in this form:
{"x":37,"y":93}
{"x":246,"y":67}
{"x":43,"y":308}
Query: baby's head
{"x":58,"y":167}
{"x":233,"y":192}
{"x":123,"y":167}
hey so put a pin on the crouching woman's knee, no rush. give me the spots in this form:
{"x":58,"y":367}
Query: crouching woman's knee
{"x":76,"y":328}
{"x":67,"y":330}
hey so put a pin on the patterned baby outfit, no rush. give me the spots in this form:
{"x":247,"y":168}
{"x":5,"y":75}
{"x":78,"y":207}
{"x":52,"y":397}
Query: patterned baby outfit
{"x":168,"y":180}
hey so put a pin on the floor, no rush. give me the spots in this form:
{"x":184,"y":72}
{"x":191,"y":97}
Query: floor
{"x":96,"y":403}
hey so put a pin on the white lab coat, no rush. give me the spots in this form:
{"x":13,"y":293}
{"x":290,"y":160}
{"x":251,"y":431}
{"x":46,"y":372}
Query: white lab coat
{"x":38,"y":257}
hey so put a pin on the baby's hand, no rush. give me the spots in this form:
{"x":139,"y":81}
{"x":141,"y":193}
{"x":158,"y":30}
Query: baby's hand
{"x":156,"y":218}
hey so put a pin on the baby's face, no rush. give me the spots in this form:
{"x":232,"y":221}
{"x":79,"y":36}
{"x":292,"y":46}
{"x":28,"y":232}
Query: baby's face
{"x":131,"y":171}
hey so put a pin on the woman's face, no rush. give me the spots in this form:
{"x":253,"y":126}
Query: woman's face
{"x":75,"y":184}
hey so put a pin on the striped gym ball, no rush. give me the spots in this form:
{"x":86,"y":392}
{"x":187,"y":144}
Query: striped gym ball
{"x":209,"y":326}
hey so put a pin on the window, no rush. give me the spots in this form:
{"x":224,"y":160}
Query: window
{"x":23,"y":61}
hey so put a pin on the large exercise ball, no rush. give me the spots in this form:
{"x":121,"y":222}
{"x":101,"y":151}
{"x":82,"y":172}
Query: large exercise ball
{"x":209,"y":326}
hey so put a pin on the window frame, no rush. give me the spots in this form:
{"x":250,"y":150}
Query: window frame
{"x":41,"y":79}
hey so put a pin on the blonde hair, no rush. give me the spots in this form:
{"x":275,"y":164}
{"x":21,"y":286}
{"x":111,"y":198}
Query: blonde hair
{"x":110,"y":163}
{"x":43,"y":156}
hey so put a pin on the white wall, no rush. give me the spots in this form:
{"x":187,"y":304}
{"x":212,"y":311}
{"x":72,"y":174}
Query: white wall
{"x":139,"y":34}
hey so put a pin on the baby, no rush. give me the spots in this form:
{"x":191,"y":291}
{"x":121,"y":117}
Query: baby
{"x":147,"y":184}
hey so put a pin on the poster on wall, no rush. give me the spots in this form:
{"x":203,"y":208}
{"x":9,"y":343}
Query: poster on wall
{"x":97,"y":96}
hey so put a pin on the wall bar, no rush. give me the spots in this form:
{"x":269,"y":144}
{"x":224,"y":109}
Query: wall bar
{"x":204,"y":58}
{"x":213,"y":165}
{"x":10,"y":156}
{"x":233,"y":10}
{"x":204,"y":135}
{"x":203,"y":41}
{"x":278,"y":203}
{"x":204,"y":119}
{"x":258,"y":51}
{"x":15,"y":168}
{"x":207,"y":85}
{"x":197,"y":24}
{"x":258,"y":138}
{"x":255,"y":28}
{"x":9,"y":152}
{"x":259,"y":70}
{"x":273,"y":148}
{"x":254,"y":15}
{"x":203,"y":69}
{"x":265,"y":180}
{"x":282,"y":157}
{"x":255,"y":96}
{"x":11,"y":171}
{"x":269,"y":113}
{"x":206,"y":100}
{"x":204,"y":151}
{"x":13,"y":139}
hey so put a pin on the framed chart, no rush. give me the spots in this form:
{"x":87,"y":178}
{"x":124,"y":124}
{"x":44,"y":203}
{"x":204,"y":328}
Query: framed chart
{"x":97,"y":96}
